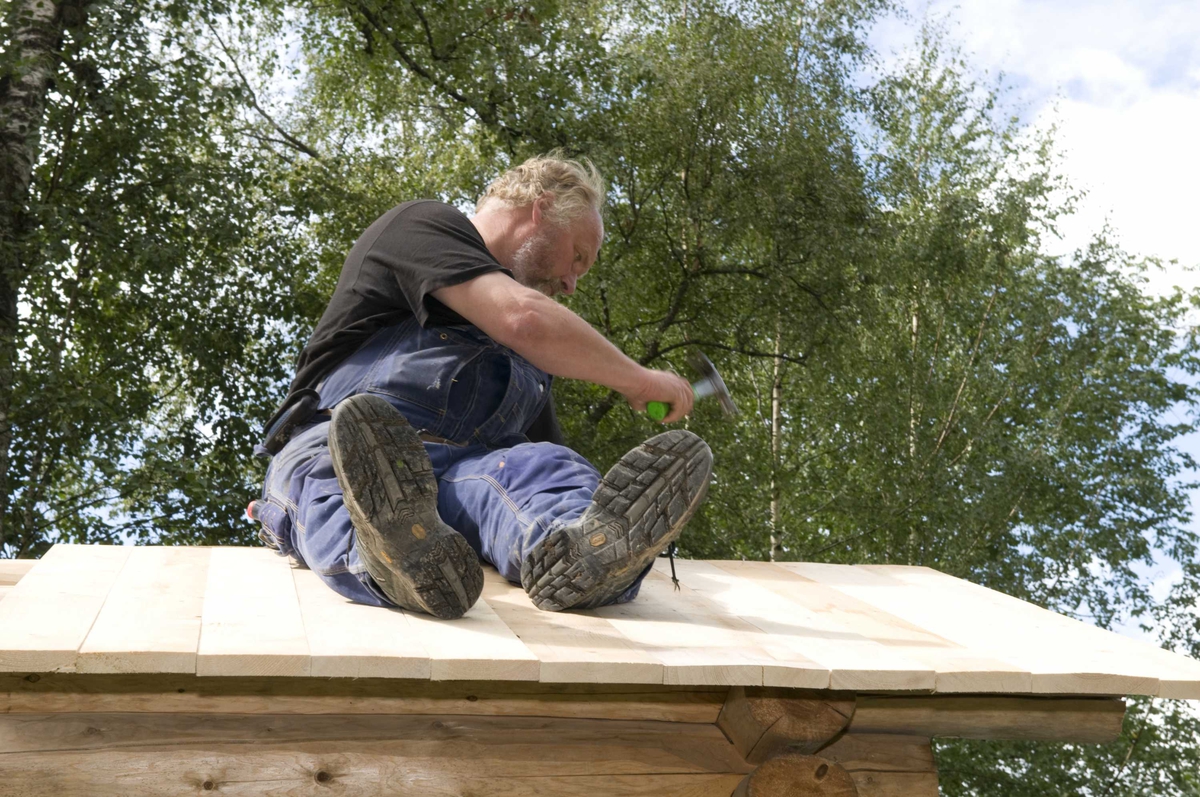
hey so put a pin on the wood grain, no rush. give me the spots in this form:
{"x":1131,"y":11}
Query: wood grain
{"x":48,"y":614}
{"x":297,"y":775}
{"x":1178,"y":676}
{"x":853,"y":660}
{"x":797,"y":775}
{"x":886,"y":765}
{"x":573,"y":647}
{"x":353,"y":640}
{"x":792,"y":625}
{"x":1050,"y":719}
{"x":477,"y":646}
{"x":956,"y":668}
{"x":36,"y":693}
{"x":1057,"y":664}
{"x":150,"y":621}
{"x":700,"y":643}
{"x":13,"y":570}
{"x":434,"y":754}
{"x":761,"y":722}
{"x":251,"y":621}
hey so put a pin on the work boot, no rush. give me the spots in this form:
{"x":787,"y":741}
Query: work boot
{"x":388,"y":486}
{"x":638,"y":510}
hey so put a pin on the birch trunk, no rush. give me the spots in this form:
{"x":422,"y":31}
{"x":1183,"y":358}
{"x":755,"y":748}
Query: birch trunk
{"x":776,"y":401}
{"x":36,"y":27}
{"x":912,"y":426}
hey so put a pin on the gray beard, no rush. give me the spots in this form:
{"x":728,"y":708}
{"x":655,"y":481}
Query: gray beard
{"x":532,"y":267}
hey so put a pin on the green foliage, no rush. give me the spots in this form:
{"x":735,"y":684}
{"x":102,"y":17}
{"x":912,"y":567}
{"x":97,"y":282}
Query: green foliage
{"x":864,"y":241}
{"x":151,"y":320}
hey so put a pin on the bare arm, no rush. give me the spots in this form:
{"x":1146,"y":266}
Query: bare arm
{"x":559,"y":342}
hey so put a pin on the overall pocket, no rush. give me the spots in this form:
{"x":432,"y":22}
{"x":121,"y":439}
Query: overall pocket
{"x":517,"y":405}
{"x":433,"y":376}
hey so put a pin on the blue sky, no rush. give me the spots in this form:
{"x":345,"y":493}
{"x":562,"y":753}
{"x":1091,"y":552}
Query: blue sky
{"x":1121,"y":80}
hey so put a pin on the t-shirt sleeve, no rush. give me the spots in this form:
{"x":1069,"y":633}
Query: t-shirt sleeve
{"x":430,"y":246}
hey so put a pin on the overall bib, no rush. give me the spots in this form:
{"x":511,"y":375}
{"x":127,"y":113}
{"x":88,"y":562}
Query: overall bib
{"x":472,"y":399}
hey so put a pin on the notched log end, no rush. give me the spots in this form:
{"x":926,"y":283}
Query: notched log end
{"x":762,"y":722}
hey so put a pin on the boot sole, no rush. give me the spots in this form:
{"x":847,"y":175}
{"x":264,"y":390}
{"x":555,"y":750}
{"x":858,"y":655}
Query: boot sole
{"x":640,"y":507}
{"x":390,"y":492}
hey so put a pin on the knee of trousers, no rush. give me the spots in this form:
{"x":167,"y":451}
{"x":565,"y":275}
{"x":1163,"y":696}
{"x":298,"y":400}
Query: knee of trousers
{"x":550,"y":466}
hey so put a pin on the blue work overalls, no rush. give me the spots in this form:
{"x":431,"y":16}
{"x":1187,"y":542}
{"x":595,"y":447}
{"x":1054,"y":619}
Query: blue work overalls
{"x":503,"y":493}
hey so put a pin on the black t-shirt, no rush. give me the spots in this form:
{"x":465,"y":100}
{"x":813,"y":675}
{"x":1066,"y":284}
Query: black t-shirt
{"x":407,"y":254}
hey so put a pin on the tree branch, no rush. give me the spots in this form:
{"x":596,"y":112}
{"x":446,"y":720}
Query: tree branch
{"x":288,"y":138}
{"x":486,"y":115}
{"x":789,"y":358}
{"x":963,"y":384}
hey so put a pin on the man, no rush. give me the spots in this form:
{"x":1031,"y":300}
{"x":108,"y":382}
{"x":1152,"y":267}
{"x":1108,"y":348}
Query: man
{"x":429,"y":440}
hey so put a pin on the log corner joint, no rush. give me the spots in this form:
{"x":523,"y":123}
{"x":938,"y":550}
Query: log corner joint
{"x":779,"y":731}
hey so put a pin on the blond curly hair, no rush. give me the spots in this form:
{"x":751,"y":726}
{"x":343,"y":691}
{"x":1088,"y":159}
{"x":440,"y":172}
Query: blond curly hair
{"x":576,"y":185}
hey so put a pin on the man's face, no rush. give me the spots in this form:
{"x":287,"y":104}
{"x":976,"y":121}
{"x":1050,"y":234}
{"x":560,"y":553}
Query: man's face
{"x":553,"y":258}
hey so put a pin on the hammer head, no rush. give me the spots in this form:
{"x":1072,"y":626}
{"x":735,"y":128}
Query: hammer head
{"x":711,"y":383}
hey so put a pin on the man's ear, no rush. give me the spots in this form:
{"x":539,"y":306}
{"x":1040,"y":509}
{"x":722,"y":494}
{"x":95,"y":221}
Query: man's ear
{"x":540,"y":206}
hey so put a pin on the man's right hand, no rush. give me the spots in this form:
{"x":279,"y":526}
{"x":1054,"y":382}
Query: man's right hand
{"x":671,"y":389}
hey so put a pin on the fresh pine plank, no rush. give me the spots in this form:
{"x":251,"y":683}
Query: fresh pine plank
{"x":1178,"y":676}
{"x":46,"y":617}
{"x":476,"y":647}
{"x":957,"y":668}
{"x":1057,"y":665}
{"x":573,"y":647}
{"x":151,"y":619}
{"x":251,"y":619}
{"x":352,"y":640}
{"x":13,"y":570}
{"x":698,"y":643}
{"x":854,"y":661}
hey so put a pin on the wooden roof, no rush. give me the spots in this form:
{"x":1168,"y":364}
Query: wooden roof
{"x":248,"y":612}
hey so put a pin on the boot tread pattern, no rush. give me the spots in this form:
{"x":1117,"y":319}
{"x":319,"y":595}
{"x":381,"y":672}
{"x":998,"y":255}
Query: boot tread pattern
{"x":390,"y":490}
{"x":639,"y":508}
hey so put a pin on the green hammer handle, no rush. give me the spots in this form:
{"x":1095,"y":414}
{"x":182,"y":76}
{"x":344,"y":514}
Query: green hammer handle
{"x":657,"y":410}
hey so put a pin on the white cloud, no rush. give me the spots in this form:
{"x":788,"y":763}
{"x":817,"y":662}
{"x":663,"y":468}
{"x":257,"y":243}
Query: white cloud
{"x":1122,"y":81}
{"x":1140,"y":164}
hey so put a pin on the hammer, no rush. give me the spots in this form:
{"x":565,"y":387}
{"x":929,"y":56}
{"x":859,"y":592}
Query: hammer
{"x":710,"y":384}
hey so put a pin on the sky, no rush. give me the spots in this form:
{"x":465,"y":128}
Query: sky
{"x":1121,"y":80}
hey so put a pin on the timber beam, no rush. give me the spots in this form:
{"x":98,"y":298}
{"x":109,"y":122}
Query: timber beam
{"x":1084,"y":720}
{"x":797,"y":775}
{"x":64,"y":734}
